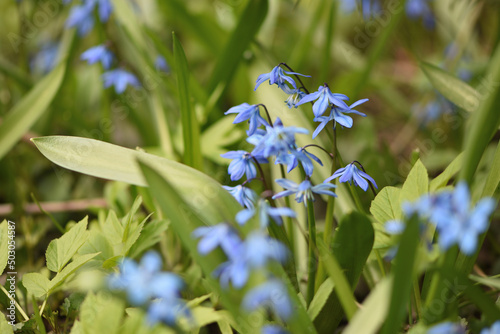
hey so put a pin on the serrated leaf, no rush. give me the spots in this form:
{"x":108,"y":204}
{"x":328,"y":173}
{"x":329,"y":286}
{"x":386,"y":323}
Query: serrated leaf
{"x":101,"y":314}
{"x":4,"y":245}
{"x":451,"y":87}
{"x":442,"y":179}
{"x":97,"y":243}
{"x":36,"y":284}
{"x":386,"y":205}
{"x":61,"y":250}
{"x":190,"y":127}
{"x":416,"y":184}
{"x":5,"y":326}
{"x":150,"y":235}
{"x":374,"y":310}
{"x":113,"y":162}
{"x":70,"y":269}
{"x":113,"y":229}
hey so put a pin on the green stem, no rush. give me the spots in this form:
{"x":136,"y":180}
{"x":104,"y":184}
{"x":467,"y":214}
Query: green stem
{"x":19,"y":308}
{"x":418,"y":301}
{"x":289,"y":221}
{"x":311,"y":222}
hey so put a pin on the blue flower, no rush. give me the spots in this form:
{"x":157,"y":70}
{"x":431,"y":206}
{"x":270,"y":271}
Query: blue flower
{"x":420,"y":8}
{"x":295,"y":96}
{"x":82,"y":18}
{"x":305,"y":159}
{"x":234,"y":271}
{"x":98,"y":53}
{"x":260,"y":249}
{"x":494,"y":329}
{"x":145,"y":281}
{"x":324,"y":98}
{"x":446,"y":328}
{"x":120,"y":79}
{"x":264,"y":211}
{"x":351,"y":173}
{"x":303,"y":191}
{"x":221,"y":235}
{"x":271,"y":295}
{"x":245,"y":196}
{"x":45,"y":60}
{"x":248,"y":112}
{"x":337,"y":115}
{"x":167,"y":311}
{"x":455,"y":222}
{"x":277,"y":76}
{"x":243,"y":163}
{"x":273,"y":329}
{"x":104,"y":8}
{"x":369,"y":7}
{"x":278,"y":140}
{"x":161,"y":64}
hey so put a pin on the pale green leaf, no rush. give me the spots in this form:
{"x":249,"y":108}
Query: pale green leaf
{"x":150,"y":235}
{"x":442,"y":179}
{"x":70,"y":269}
{"x":61,"y":250}
{"x":101,"y":314}
{"x":205,"y":315}
{"x":487,"y":281}
{"x":320,"y":298}
{"x":202,"y":193}
{"x":493,"y":179}
{"x":36,"y":284}
{"x":4,"y":245}
{"x":374,"y":310}
{"x":5,"y":326}
{"x":416,"y":184}
{"x":386,"y":205}
{"x":97,"y":243}
{"x":451,"y":87}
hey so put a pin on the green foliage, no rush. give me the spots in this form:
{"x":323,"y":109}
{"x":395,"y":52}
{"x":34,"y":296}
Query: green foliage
{"x":100,"y":314}
{"x":4,"y":245}
{"x":5,"y":327}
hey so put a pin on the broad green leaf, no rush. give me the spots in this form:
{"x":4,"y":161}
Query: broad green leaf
{"x":404,"y":275}
{"x":493,"y":178}
{"x":451,"y":87}
{"x":205,"y":315}
{"x":202,"y":193}
{"x":374,"y":310}
{"x":190,"y":127}
{"x":442,"y":179}
{"x":70,"y":269}
{"x":61,"y":250}
{"x":416,"y":184}
{"x":5,"y":327}
{"x":320,"y":298}
{"x":97,"y":243}
{"x":342,"y":285}
{"x":484,"y":122}
{"x":101,"y":314}
{"x":4,"y":245}
{"x":352,"y":245}
{"x":36,"y":284}
{"x":386,"y":205}
{"x":247,"y":27}
{"x":28,"y":110}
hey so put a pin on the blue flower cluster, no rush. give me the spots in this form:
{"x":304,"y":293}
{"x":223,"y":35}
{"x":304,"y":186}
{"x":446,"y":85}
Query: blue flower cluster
{"x":494,"y":329}
{"x":81,"y":17}
{"x":450,"y":213}
{"x":244,"y":257}
{"x":146,"y":284}
{"x":446,"y":328}
{"x":415,"y":9}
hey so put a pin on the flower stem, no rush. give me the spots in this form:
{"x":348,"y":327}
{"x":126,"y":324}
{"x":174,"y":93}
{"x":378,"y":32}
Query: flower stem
{"x":19,"y":308}
{"x":288,"y":221}
{"x":267,"y":113}
{"x":296,"y":76}
{"x":311,"y":263}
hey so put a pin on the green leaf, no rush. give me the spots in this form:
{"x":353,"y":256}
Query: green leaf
{"x":97,"y":243}
{"x":36,"y":284}
{"x":352,"y":245}
{"x":4,"y":245}
{"x":442,"y":179}
{"x":320,"y":298}
{"x":493,"y":178}
{"x":190,"y":127}
{"x":487,"y":281}
{"x":150,"y":235}
{"x":202,"y":193}
{"x":386,"y":205}
{"x":342,"y":285}
{"x":70,"y":269}
{"x":247,"y":27}
{"x":28,"y":110}
{"x":101,"y":314}
{"x":373,"y":313}
{"x":484,"y":122}
{"x":451,"y":87}
{"x":5,"y":326}
{"x":416,"y":184}
{"x":61,"y":250}
{"x":404,"y":275}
